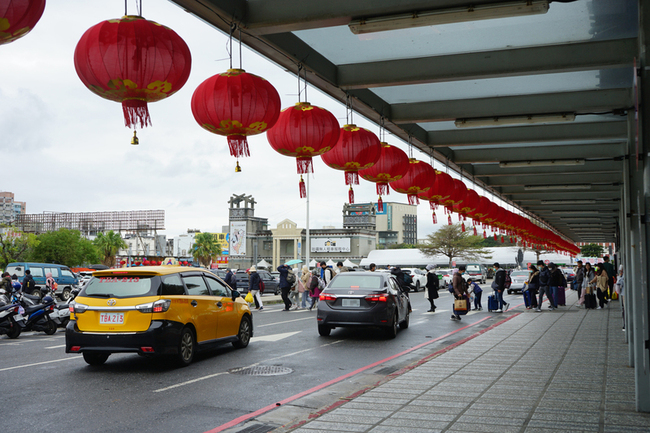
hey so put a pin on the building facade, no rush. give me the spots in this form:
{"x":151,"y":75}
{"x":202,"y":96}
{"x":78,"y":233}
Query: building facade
{"x":397,"y":223}
{"x":10,"y":208}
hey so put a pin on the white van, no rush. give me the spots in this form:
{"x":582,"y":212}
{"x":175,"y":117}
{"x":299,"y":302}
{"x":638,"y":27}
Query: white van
{"x":476,"y":271}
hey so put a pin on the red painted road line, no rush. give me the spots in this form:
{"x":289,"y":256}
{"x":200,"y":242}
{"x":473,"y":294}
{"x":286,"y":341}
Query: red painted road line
{"x":263,"y":410}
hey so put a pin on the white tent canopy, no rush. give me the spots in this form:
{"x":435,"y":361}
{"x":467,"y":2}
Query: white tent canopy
{"x":331,"y":263}
{"x":313,"y":263}
{"x":263,"y":264}
{"x":347,"y":263}
{"x":506,"y":256}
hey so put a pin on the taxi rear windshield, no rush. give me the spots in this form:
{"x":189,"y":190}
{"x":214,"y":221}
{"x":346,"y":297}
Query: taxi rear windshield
{"x":360,"y":281}
{"x":122,"y":286}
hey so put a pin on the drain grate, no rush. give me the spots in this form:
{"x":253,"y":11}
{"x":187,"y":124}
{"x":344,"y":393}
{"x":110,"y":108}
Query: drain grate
{"x":261,"y":370}
{"x":258,"y":428}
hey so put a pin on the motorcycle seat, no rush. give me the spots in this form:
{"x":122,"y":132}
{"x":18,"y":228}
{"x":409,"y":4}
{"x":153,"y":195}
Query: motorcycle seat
{"x":33,"y":308}
{"x":32,"y":297}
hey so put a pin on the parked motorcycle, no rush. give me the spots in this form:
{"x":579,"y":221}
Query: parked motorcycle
{"x":61,"y":313}
{"x":37,"y":316}
{"x":11,"y":316}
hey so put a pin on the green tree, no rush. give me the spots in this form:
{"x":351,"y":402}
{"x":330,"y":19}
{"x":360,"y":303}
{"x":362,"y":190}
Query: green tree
{"x":15,"y":246}
{"x":592,"y":250}
{"x":108,"y":244}
{"x":65,"y":247}
{"x":452,"y":242}
{"x":205,"y":248}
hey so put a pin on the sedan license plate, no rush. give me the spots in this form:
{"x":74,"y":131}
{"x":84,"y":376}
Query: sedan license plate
{"x":350,"y":302}
{"x":111,"y":318}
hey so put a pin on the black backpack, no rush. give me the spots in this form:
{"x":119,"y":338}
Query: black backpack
{"x":291,"y":278}
{"x":406,"y":277}
{"x":29,"y":286}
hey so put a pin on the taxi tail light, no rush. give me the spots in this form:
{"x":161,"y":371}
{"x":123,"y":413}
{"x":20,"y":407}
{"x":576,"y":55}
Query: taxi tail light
{"x":78,"y":308}
{"x":160,"y":306}
{"x":75,"y":348}
{"x":377,"y":298}
{"x":327,"y":297}
{"x":147,"y":349}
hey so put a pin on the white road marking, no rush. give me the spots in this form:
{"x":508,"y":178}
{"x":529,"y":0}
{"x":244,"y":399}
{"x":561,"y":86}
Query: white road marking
{"x":191,"y":381}
{"x":56,"y":347}
{"x":275,"y":337}
{"x":40,"y":363}
{"x":286,"y":321}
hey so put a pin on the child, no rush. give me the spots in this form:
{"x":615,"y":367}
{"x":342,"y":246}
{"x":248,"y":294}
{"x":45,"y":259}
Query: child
{"x":476,"y":289}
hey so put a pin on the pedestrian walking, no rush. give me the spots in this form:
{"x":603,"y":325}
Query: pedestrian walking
{"x":254,"y":281}
{"x":544,"y":287}
{"x":294,"y":293}
{"x":460,"y":289}
{"x":341,"y":268}
{"x":433,"y":284}
{"x":326,"y":273}
{"x":478,"y":293}
{"x":499,"y":285}
{"x":611,"y":272}
{"x":587,"y":287}
{"x":285,"y":286}
{"x":557,"y":282}
{"x":29,"y":285}
{"x":372,"y":267}
{"x":619,"y":287}
{"x":533,"y":286}
{"x":305,"y":279}
{"x":316,"y":285}
{"x":601,"y":285}
{"x":579,"y":277}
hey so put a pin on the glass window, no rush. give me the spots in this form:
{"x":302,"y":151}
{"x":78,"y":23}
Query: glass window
{"x":17,"y":270}
{"x":196,"y":286}
{"x":217,"y":287}
{"x":121,"y":287}
{"x":37,"y":272}
{"x":360,"y":281}
{"x":66,"y":273}
{"x":53,"y":271}
{"x":172,"y":285}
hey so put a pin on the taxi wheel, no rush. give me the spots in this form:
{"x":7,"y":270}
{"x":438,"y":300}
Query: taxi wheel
{"x":95,"y":358}
{"x":244,"y":334}
{"x":186,"y":348}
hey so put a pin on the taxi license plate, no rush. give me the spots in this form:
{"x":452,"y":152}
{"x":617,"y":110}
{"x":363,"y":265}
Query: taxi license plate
{"x":111,"y":318}
{"x":350,"y":302}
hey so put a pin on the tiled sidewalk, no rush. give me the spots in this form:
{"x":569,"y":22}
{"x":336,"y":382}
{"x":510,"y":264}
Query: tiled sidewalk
{"x":557,"y":371}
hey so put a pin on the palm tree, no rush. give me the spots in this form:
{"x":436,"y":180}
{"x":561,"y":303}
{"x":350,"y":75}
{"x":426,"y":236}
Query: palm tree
{"x":205,"y":248}
{"x":109,"y":244}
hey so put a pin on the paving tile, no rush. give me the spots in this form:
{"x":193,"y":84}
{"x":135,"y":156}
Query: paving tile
{"x":336,"y":426}
{"x":393,"y":429}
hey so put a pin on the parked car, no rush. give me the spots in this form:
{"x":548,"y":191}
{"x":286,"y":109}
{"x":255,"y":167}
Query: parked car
{"x":519,"y":281}
{"x":64,"y":277}
{"x":156,"y":310}
{"x":418,"y":276}
{"x":568,"y":274}
{"x":446,"y":276}
{"x":221,"y":273}
{"x":363,"y":299}
{"x":476,"y":271}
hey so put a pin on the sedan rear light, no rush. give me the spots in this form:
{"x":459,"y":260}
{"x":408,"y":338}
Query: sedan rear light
{"x":327,"y":297}
{"x":79,"y":308}
{"x":160,"y":306}
{"x":377,"y":298}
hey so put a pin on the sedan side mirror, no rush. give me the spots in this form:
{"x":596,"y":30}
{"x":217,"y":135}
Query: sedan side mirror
{"x":235,"y":294}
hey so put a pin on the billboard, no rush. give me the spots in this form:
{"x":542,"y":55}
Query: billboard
{"x":330,"y":245}
{"x":238,"y":238}
{"x":223,"y":239}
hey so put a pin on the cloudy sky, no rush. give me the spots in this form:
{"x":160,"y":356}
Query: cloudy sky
{"x":64,"y":149}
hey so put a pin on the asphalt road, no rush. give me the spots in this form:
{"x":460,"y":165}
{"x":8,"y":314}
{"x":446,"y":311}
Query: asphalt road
{"x":45,"y":388}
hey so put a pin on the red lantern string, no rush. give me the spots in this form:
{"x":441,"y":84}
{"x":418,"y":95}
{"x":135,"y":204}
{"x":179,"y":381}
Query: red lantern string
{"x":303,"y":189}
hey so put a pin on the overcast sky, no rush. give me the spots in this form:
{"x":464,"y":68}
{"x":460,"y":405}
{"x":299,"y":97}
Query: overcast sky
{"x":64,"y":149}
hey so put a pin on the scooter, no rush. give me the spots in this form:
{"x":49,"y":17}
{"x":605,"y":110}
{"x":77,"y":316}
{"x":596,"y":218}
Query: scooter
{"x":61,"y":313}
{"x":10,"y":316}
{"x":38,"y":316}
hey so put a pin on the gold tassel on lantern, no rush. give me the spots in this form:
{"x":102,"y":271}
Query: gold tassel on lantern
{"x":134,"y":140}
{"x":237,"y":168}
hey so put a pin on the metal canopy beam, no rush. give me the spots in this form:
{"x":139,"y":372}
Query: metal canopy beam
{"x":597,"y":131}
{"x":598,"y":150}
{"x":582,"y":56}
{"x":567,"y":179}
{"x":590,"y":167}
{"x":589,"y":101}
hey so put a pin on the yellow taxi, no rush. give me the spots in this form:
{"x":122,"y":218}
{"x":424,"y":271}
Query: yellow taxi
{"x":156,"y":310}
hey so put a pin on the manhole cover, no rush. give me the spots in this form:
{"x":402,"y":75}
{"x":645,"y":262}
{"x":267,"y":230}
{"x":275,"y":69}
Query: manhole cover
{"x":261,"y":370}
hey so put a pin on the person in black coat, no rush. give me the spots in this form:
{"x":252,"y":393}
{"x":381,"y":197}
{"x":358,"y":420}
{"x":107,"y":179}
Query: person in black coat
{"x":433,"y":284}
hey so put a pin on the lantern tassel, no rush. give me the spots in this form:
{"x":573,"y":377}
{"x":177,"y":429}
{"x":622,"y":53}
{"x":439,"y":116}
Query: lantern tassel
{"x":502,"y":240}
{"x":238,"y":145}
{"x":303,"y":189}
{"x":382,"y":189}
{"x":304,"y":165}
{"x":351,"y":195}
{"x":413,"y":199}
{"x":433,"y":206}
{"x":462,"y":226}
{"x":351,"y":178}
{"x":449,"y":220}
{"x":435,"y":219}
{"x":380,"y":205}
{"x":495,"y":237}
{"x":135,"y":112}
{"x":475,"y":232}
{"x":484,"y":235}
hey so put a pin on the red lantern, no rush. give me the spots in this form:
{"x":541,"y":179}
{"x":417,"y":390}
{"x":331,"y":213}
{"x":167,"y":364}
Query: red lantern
{"x":18,"y":17}
{"x":391,"y":166}
{"x":133,"y":61}
{"x":304,"y":131}
{"x":357,"y":149}
{"x":236,"y":104}
{"x":417,"y":180}
{"x":440,"y":190}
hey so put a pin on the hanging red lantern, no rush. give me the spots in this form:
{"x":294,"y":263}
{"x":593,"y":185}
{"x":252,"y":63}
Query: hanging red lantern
{"x":236,"y":104}
{"x":357,"y":149}
{"x":440,"y":190}
{"x":133,"y":61}
{"x":18,"y":17}
{"x":391,"y":166}
{"x":304,"y":131}
{"x":418,"y":179}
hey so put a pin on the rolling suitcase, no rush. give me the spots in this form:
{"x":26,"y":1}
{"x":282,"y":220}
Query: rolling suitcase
{"x":527,"y":299}
{"x":493,"y":305}
{"x":560,"y":296}
{"x":590,"y":301}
